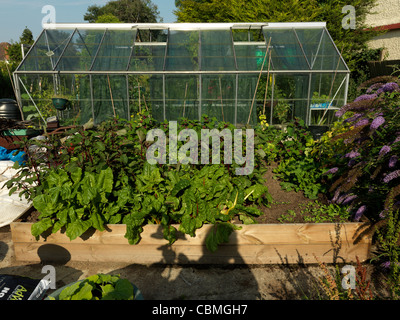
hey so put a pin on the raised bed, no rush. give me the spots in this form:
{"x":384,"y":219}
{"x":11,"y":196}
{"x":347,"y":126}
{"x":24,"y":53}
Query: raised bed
{"x":253,"y":244}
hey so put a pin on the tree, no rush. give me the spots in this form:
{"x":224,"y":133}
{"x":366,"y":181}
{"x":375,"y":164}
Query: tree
{"x":107,"y":18}
{"x":14,"y":50}
{"x":128,"y":11}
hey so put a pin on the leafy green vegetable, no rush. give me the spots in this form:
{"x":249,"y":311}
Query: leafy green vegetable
{"x":99,"y":287}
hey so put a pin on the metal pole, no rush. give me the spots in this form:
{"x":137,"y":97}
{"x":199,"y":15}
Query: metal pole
{"x":17,"y":92}
{"x":33,"y":101}
{"x":98,"y":50}
{"x":308,"y":111}
{"x":164,"y":100}
{"x":236,"y":98}
{"x":127,"y":97}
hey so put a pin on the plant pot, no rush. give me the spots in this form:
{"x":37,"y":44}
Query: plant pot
{"x":318,"y":131}
{"x":60,"y":103}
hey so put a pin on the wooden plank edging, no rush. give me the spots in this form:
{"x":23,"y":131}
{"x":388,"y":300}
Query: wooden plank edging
{"x":253,"y":244}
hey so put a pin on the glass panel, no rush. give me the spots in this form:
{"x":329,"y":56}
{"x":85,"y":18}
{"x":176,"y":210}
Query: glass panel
{"x":156,"y":84}
{"x":310,"y":39}
{"x":327,"y":94}
{"x":290,"y":97}
{"x":46,"y":51}
{"x":328,"y":57}
{"x":149,"y":51}
{"x":81,"y":51}
{"x":246,"y":88}
{"x":250,"y":47}
{"x":218,"y":97}
{"x":183,"y":51}
{"x":182,"y":97}
{"x":115,"y":51}
{"x":217,"y":51}
{"x":286,"y":53}
{"x":109,"y":94}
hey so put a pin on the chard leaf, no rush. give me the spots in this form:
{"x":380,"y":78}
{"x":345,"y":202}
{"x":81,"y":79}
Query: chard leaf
{"x":181,"y":185}
{"x":41,"y":226}
{"x":76,"y":228}
{"x":220,"y":235}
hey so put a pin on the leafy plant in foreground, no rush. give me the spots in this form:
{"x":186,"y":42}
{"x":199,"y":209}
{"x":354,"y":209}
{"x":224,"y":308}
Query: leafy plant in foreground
{"x":99,"y":287}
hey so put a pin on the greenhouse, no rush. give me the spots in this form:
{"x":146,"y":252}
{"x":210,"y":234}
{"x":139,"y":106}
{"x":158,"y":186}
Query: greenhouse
{"x":231,"y":71}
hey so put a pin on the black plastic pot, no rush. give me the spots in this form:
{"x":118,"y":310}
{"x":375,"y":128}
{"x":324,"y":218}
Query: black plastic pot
{"x":318,"y":131}
{"x":9,"y":109}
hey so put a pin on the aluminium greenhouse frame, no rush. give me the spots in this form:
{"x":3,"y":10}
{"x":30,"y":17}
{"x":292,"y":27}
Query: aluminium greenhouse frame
{"x":307,"y":41}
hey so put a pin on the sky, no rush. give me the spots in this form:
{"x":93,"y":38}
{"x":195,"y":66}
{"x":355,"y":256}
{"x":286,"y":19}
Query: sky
{"x":18,"y":14}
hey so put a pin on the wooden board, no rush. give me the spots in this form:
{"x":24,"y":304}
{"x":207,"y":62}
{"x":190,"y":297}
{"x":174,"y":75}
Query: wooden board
{"x":253,"y":244}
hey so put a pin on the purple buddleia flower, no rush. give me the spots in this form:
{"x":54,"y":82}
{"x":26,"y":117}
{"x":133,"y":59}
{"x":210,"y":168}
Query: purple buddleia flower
{"x":360,"y":212}
{"x":385,"y":265}
{"x":379,"y":91}
{"x":352,"y":154}
{"x":375,"y":86}
{"x":396,"y":140}
{"x":362,"y":122}
{"x":378,"y":121}
{"x":382,"y":214}
{"x":384,"y":150}
{"x":388,"y":264}
{"x":390,"y":87}
{"x":333,"y":171}
{"x":340,"y":113}
{"x":353,"y":118}
{"x":393,"y":160}
{"x":337,"y":194}
{"x":349,"y":199}
{"x":391,"y":176}
{"x":365,"y":97}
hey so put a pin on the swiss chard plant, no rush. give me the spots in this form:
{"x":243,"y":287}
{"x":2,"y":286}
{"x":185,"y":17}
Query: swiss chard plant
{"x":101,"y":176}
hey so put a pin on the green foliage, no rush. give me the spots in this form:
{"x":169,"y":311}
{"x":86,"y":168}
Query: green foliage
{"x":14,"y":51}
{"x":317,"y":212}
{"x":107,"y":18}
{"x":101,"y":176}
{"x":99,"y":287}
{"x":128,"y":11}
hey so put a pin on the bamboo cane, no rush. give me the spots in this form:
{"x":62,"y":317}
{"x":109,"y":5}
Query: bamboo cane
{"x":222,"y":105}
{"x":266,"y":87}
{"x":258,"y":81}
{"x":184,"y":101}
{"x":111,"y":95}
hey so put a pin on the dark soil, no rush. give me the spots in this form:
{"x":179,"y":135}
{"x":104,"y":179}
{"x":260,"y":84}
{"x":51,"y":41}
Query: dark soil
{"x":283,"y":200}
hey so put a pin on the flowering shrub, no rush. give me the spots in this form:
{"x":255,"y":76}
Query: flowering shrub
{"x":366,"y":175}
